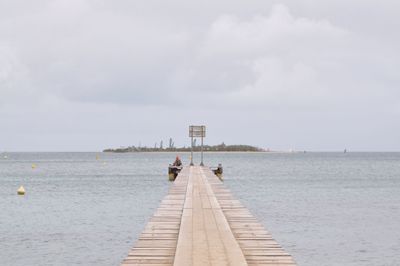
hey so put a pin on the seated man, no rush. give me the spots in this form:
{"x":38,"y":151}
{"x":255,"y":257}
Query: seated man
{"x":177,"y":162}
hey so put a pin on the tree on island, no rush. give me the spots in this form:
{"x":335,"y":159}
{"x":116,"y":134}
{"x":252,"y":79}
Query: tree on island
{"x":218,"y":148}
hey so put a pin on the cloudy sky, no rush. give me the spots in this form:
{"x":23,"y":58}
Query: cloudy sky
{"x":83,"y":75}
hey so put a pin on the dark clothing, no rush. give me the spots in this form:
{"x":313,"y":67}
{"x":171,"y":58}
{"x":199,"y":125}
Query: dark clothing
{"x":177,"y":162}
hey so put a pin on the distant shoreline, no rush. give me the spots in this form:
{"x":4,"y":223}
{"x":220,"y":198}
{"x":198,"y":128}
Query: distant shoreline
{"x":196,"y":151}
{"x":207,"y":148}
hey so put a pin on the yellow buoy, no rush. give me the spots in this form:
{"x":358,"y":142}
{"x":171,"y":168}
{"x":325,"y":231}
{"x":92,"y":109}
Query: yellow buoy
{"x":21,"y":190}
{"x":97,"y":157}
{"x":33,"y":166}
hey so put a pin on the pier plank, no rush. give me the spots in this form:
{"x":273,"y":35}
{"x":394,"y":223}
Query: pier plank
{"x":200,"y":223}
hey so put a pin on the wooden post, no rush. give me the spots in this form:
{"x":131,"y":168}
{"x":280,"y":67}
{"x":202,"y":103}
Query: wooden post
{"x":201,"y":164}
{"x":191,"y":153}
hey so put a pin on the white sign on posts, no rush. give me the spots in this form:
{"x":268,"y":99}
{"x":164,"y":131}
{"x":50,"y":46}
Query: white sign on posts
{"x":197,"y":132}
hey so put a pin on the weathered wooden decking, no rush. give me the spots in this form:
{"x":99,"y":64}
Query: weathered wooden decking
{"x":200,"y":223}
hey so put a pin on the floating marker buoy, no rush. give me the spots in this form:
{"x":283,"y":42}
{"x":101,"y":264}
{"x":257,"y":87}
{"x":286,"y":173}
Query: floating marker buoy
{"x":21,"y":190}
{"x":97,"y":157}
{"x":33,"y":166}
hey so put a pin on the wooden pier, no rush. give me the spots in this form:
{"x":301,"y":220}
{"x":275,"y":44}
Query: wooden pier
{"x":200,"y":223}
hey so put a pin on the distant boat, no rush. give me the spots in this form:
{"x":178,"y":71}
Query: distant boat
{"x":345,"y":151}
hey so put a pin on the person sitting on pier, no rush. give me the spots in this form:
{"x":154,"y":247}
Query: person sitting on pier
{"x":177,"y":162}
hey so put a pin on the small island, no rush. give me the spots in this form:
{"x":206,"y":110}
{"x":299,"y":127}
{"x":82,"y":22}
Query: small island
{"x":207,"y":148}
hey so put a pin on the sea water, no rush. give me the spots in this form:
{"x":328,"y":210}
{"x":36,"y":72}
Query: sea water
{"x":89,"y":208}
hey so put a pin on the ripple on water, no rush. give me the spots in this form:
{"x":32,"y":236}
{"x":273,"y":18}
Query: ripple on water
{"x":324,"y":208}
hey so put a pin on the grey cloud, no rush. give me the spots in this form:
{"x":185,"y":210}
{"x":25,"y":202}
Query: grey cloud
{"x":145,"y":67}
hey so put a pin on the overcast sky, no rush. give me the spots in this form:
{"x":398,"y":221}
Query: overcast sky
{"x":81,"y":75}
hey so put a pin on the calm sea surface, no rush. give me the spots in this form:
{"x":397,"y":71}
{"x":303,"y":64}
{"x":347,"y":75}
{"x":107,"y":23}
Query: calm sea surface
{"x":323,"y":208}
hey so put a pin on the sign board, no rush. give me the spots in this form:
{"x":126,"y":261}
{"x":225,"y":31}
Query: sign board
{"x":197,"y":131}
